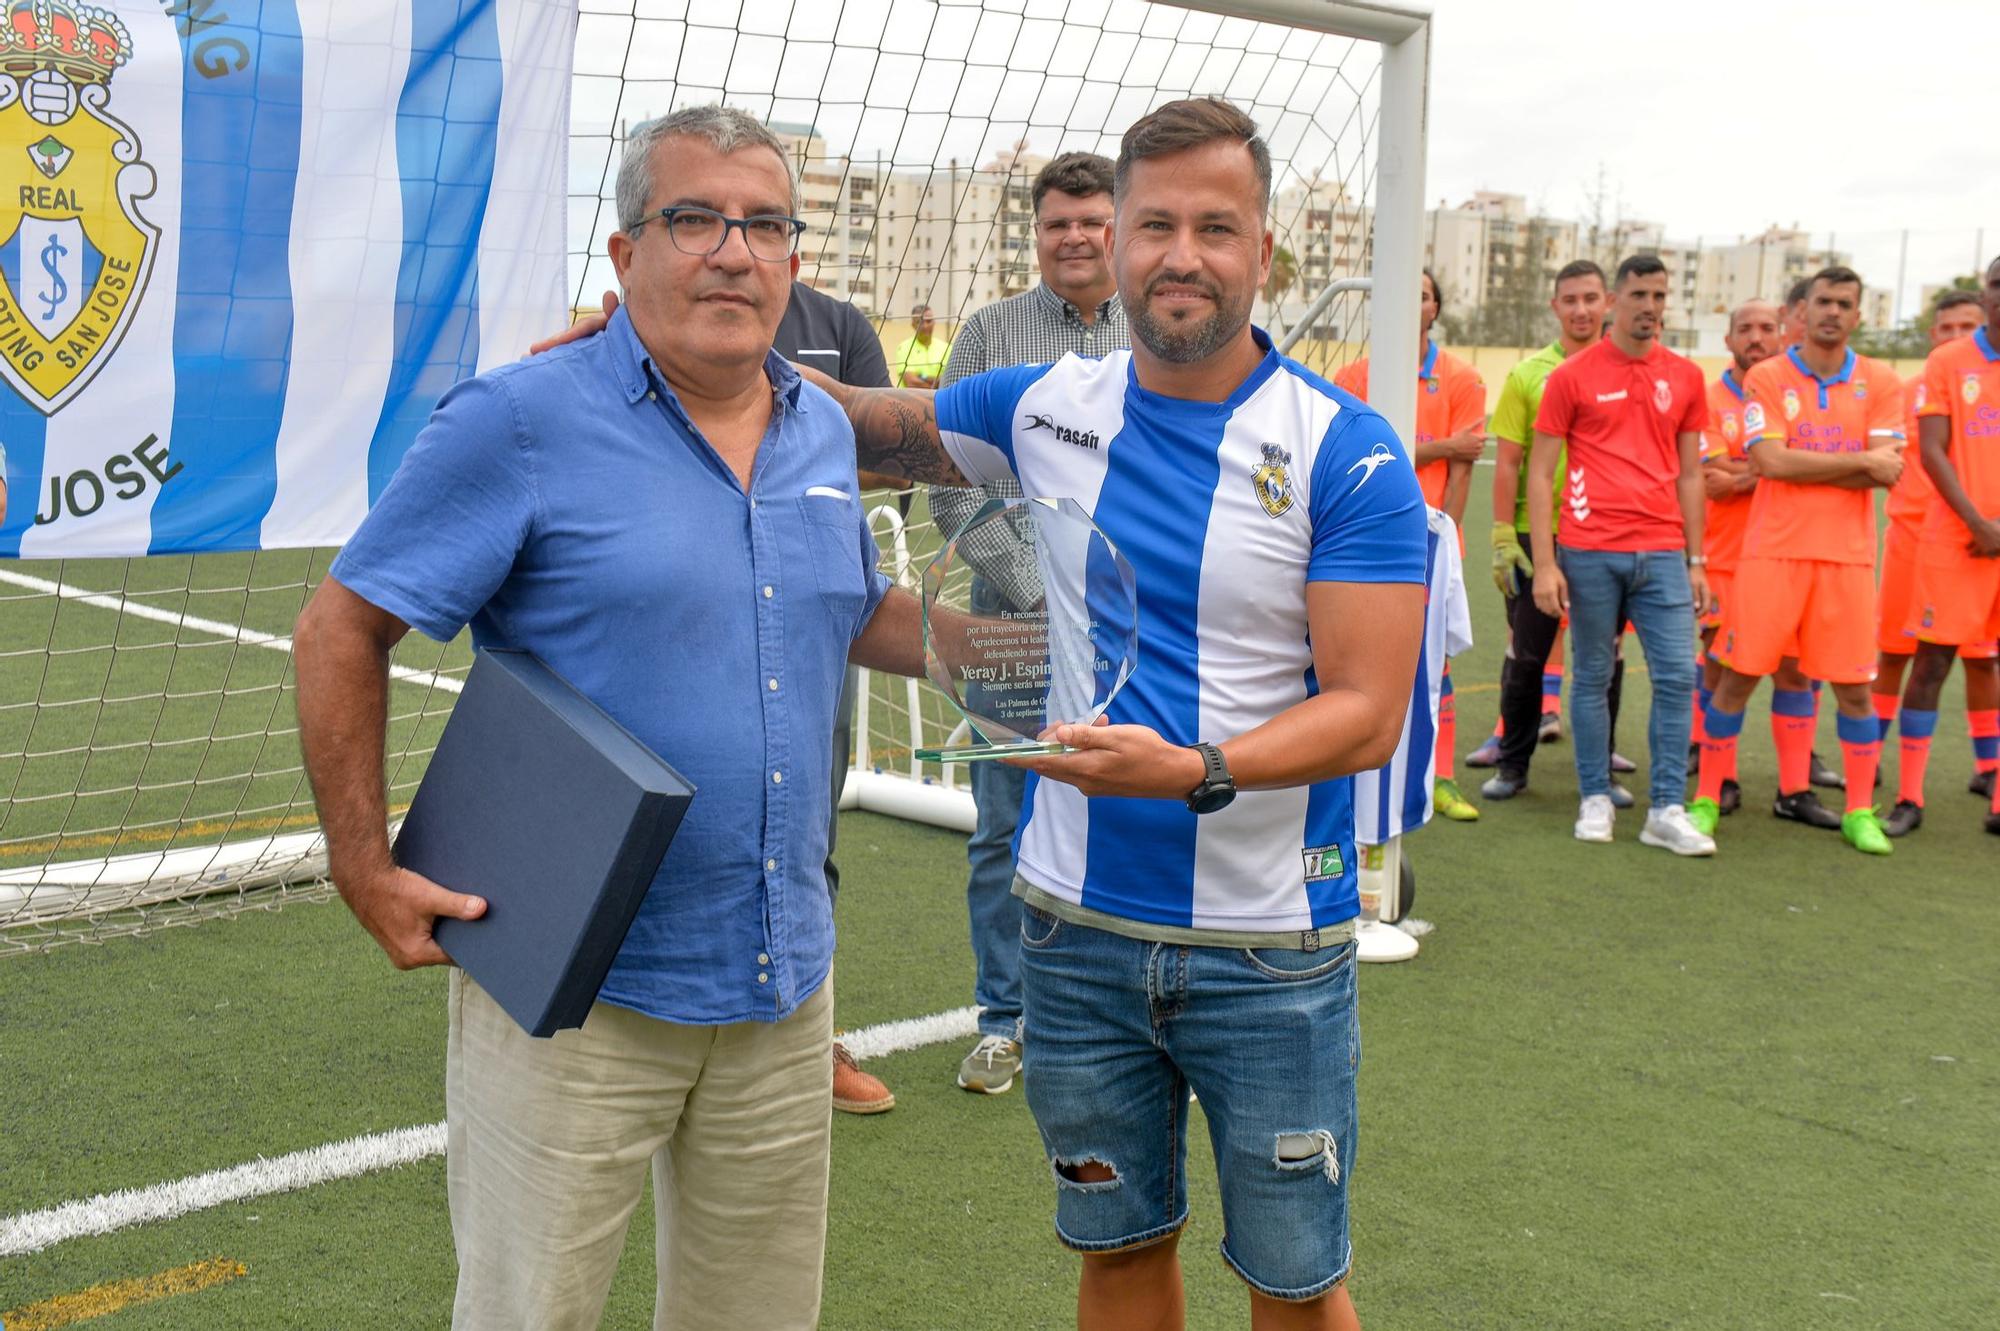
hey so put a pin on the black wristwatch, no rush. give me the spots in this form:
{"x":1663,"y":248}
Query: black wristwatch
{"x":1217,"y":787}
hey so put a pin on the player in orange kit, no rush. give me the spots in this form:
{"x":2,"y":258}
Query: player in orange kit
{"x":1755,"y":335}
{"x":1958,"y":556}
{"x":1450,"y":435}
{"x":1958,"y":314}
{"x":1824,"y":426}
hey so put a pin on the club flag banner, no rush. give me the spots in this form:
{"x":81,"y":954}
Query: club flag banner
{"x":246,"y":245}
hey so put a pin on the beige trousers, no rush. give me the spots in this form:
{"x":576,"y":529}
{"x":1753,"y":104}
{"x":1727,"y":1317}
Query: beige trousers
{"x":548,"y":1142}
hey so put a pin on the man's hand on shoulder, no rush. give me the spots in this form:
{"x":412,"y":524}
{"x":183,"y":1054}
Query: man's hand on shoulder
{"x":400,"y":909}
{"x":585,"y":326}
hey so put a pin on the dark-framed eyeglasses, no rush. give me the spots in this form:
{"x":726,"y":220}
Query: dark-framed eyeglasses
{"x":700,"y":232}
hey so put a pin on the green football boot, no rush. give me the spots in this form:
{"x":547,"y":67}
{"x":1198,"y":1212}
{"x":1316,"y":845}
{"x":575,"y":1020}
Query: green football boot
{"x":1704,"y":814}
{"x":1863,"y":831}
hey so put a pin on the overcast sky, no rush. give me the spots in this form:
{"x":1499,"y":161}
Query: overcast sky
{"x":1721,"y":118}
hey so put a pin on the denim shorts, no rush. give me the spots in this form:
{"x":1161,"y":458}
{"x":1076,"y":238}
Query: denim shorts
{"x":1119,"y":1030}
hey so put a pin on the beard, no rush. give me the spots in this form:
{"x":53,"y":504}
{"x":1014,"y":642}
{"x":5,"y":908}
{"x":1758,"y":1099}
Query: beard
{"x":1185,"y":341}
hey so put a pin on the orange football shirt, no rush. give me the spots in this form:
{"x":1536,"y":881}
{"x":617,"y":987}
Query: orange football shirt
{"x":1962,"y":382}
{"x":1910,"y":498}
{"x":1725,"y":520}
{"x":1451,"y":399}
{"x":1791,"y":407}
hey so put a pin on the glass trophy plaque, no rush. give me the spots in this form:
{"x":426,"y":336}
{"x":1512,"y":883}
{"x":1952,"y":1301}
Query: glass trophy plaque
{"x":1031,"y":621}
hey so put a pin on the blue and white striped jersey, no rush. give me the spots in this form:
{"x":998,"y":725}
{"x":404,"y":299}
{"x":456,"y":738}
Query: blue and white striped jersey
{"x":1226,"y":511}
{"x":1396,"y":797}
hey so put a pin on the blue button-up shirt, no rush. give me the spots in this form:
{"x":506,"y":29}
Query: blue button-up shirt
{"x":567,"y":505}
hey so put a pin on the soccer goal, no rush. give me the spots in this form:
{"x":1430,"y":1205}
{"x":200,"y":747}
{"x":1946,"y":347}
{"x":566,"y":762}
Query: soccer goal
{"x":149,"y":764}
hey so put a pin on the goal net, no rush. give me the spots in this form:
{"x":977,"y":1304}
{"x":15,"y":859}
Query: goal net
{"x":149,"y":763}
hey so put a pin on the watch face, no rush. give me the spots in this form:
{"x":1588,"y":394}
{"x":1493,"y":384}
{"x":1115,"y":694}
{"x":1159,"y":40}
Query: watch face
{"x":1211,"y":799}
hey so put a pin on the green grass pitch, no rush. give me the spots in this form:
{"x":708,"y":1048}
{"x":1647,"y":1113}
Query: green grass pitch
{"x":1617,"y":1090}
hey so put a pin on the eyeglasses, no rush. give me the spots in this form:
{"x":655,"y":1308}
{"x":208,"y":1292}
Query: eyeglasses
{"x":702,"y":231}
{"x":1056,"y":227}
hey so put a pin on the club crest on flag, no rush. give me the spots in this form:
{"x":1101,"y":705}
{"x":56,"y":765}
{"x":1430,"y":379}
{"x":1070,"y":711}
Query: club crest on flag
{"x":1274,"y":485}
{"x":76,"y":252}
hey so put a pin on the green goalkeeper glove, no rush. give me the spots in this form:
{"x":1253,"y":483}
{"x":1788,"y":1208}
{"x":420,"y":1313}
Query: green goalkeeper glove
{"x":1511,"y":565}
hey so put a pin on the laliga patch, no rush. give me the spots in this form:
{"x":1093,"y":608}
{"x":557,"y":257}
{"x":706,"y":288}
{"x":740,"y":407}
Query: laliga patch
{"x":1323,"y":863}
{"x":1753,"y":419}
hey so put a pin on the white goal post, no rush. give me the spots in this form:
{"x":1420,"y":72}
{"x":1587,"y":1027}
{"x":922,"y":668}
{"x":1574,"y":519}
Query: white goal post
{"x":149,"y":765}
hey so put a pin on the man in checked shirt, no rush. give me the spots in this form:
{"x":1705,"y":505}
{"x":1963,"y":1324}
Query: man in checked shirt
{"x":1074,"y":308}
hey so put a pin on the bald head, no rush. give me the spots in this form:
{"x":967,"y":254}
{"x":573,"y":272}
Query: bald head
{"x":1756,"y":332}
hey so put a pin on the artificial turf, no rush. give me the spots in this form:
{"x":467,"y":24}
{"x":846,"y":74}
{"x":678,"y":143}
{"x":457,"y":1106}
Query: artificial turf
{"x":1617,"y":1090}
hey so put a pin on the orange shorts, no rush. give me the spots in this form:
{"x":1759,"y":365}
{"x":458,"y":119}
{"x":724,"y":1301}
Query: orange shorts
{"x":1722,"y":587}
{"x":1957,"y":600}
{"x":1896,"y":591}
{"x":1819,"y":611}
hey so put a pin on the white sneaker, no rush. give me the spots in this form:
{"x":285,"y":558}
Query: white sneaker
{"x":1593,"y":818}
{"x":1668,"y":827}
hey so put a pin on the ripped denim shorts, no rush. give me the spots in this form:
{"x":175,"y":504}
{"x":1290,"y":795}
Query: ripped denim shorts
{"x":1119,"y":1030}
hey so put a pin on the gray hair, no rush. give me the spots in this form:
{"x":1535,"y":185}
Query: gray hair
{"x":725,"y":129}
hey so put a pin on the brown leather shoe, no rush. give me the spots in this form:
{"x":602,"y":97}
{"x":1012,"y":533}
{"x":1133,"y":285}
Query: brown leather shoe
{"x":854,"y":1091}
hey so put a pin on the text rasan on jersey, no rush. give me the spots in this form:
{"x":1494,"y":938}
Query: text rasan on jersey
{"x":1081,"y":438}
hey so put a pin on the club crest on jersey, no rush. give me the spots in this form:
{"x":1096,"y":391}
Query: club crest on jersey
{"x":1430,"y":385}
{"x":1273,"y":482}
{"x":1663,"y":395}
{"x":1730,"y":429}
{"x":1969,"y":390}
{"x":1792,"y":404}
{"x":76,"y":252}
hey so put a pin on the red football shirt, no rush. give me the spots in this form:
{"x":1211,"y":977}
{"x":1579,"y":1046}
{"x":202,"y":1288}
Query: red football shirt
{"x":1622,"y":419}
{"x":1791,"y":407}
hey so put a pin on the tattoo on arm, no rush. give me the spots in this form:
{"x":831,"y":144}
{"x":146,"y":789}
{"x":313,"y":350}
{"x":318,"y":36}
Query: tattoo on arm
{"x":896,"y":432}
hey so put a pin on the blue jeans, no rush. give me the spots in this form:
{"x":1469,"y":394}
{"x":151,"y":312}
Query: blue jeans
{"x":1650,"y":588}
{"x":990,"y":901}
{"x":1120,"y":1030}
{"x":995,"y":911}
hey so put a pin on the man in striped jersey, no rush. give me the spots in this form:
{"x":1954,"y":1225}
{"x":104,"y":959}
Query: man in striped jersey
{"x":1179,"y":935}
{"x":1074,"y":309}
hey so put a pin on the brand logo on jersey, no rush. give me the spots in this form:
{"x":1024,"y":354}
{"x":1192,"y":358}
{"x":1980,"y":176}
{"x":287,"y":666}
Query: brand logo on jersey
{"x":1377,"y":455}
{"x":1618,"y":396}
{"x":1730,"y":429}
{"x":1969,"y":390}
{"x":1081,"y":438}
{"x":1272,"y":482}
{"x":1663,"y":395}
{"x":1791,"y":404}
{"x":1579,"y":503}
{"x":1930,"y":617}
{"x":1324,"y":862}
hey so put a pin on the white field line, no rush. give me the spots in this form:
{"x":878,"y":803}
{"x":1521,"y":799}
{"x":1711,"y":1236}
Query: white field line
{"x":249,"y":637}
{"x":33,"y":1231}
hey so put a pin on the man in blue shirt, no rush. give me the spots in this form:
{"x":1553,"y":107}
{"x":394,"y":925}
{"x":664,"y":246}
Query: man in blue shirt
{"x":669,"y":517}
{"x":1178,"y":935}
